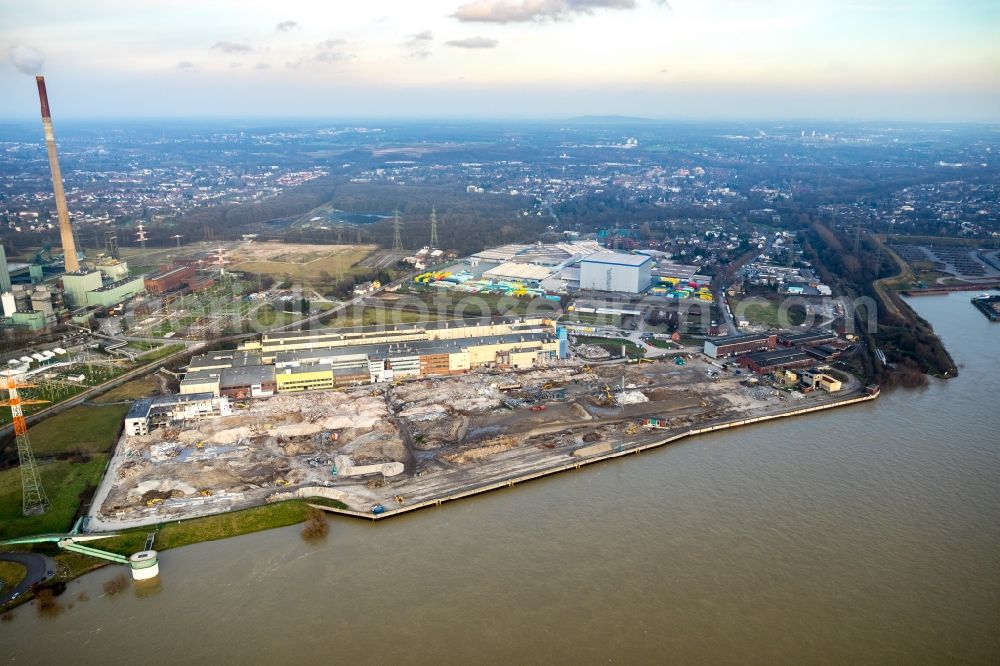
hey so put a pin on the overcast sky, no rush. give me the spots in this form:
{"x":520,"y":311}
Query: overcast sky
{"x":684,"y":59}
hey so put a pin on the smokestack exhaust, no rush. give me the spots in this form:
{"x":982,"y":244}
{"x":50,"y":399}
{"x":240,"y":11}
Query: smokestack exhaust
{"x":65,"y":231}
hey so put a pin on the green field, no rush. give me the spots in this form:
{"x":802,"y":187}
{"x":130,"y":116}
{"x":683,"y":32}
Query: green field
{"x":131,"y":390}
{"x":11,"y":573}
{"x":86,"y":433}
{"x":184,"y":533}
{"x":767,"y":313}
{"x":87,"y":429}
{"x":160,"y":352}
{"x":64,"y":481}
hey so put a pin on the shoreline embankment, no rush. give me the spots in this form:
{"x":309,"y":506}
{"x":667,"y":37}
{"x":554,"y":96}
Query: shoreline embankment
{"x":332,"y":493}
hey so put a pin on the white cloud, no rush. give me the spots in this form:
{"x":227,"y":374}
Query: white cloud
{"x":419,"y":44}
{"x":522,"y":11}
{"x":232,"y":47}
{"x":473,"y":43}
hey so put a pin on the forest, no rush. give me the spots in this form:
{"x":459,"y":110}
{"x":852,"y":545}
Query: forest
{"x":908,"y":341}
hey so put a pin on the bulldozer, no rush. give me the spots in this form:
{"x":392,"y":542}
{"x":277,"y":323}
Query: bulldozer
{"x":631,"y":429}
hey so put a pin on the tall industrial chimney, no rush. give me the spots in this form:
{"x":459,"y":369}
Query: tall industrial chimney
{"x":65,"y":232}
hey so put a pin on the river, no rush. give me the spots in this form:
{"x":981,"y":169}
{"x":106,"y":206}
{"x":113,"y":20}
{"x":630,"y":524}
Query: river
{"x":869,"y":534}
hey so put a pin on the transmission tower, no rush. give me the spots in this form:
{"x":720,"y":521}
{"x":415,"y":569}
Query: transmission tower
{"x":33,"y":499}
{"x":397,"y":239}
{"x":434,"y":228}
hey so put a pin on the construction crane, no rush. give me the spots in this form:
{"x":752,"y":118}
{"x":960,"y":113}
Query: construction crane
{"x":34,"y":502}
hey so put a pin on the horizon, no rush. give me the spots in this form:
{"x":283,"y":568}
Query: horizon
{"x":683,"y":61}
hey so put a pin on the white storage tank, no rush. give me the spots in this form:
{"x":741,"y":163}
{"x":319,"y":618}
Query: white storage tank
{"x":9,"y":304}
{"x":144,"y":565}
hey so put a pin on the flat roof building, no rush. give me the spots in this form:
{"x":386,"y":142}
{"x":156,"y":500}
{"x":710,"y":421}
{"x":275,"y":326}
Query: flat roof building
{"x":779,"y":359}
{"x":737,"y":345}
{"x":616,"y":271}
{"x":812,"y":337}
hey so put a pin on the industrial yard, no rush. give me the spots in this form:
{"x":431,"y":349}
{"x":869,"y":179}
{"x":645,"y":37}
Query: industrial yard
{"x":391,"y":445}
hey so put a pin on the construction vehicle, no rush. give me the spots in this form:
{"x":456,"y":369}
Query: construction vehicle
{"x":631,"y":429}
{"x":205,"y":492}
{"x":399,"y":499}
{"x":678,"y":360}
{"x":280,"y":482}
{"x":156,"y":501}
{"x":539,"y":408}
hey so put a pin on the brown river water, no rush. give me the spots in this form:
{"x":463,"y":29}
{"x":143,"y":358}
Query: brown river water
{"x":869,"y":534}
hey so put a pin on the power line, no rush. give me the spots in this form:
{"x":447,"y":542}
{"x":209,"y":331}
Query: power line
{"x":397,"y":240}
{"x":34,"y":502}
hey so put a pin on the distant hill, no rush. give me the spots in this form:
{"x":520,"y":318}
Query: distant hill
{"x":611,"y":120}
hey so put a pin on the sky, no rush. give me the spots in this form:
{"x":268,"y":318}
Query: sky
{"x":930,"y":60}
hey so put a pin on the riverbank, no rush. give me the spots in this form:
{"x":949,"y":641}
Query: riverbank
{"x":389,"y":511}
{"x":177,"y":534}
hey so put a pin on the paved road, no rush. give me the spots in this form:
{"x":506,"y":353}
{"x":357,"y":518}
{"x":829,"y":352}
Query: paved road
{"x":39,"y":569}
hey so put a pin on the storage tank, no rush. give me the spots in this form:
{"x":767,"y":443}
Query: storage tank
{"x":144,"y":565}
{"x":9,"y":304}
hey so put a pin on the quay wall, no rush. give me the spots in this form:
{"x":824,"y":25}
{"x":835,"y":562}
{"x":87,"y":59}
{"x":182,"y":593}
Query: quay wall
{"x":331,"y":493}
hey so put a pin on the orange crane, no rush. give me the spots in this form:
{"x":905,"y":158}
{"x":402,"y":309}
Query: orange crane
{"x":34,"y":500}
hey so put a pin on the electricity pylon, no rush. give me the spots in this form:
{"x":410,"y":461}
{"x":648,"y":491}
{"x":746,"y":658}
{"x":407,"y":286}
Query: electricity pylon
{"x":397,"y":240}
{"x":434,"y":228}
{"x":33,"y":499}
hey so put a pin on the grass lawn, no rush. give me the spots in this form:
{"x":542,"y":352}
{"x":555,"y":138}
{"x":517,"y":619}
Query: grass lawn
{"x":11,"y":573}
{"x":184,"y":533}
{"x":137,"y":388}
{"x":161,"y":352}
{"x":86,"y":428}
{"x":767,"y":314}
{"x":64,"y":481}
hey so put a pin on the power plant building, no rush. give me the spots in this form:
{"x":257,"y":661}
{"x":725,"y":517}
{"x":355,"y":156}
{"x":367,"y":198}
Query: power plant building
{"x":616,"y":271}
{"x":115,"y":292}
{"x":169,"y":280}
{"x":77,"y":284}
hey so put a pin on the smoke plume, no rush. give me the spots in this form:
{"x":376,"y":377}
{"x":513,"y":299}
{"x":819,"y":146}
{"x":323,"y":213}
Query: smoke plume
{"x":26,"y":59}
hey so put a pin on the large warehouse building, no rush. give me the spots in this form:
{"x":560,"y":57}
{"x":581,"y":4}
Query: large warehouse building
{"x":737,"y":345}
{"x":616,"y":271}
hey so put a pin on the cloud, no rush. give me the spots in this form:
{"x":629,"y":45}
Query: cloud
{"x":232,"y":47}
{"x":187,"y":66}
{"x":327,"y":51}
{"x":263,"y":65}
{"x":473,"y":43}
{"x":523,"y":11}
{"x":418,"y":44}
{"x":26,"y":59}
{"x":287,"y":26}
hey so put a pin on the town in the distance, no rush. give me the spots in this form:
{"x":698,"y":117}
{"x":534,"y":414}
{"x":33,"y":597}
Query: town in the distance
{"x":372,"y":320}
